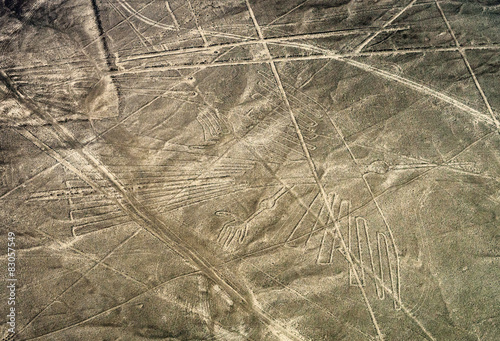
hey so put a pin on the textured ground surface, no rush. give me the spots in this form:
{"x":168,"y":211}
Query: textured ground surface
{"x":251,"y":169}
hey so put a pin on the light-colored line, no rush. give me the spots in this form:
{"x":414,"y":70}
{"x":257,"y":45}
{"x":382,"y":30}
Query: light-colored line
{"x":281,"y":244}
{"x":139,"y":35}
{"x":172,"y":15}
{"x":302,"y":218}
{"x":469,"y":67}
{"x":219,"y":64}
{"x":99,"y":218}
{"x":379,"y":209}
{"x":314,"y":75}
{"x":384,"y":74}
{"x":284,"y":15}
{"x":421,"y":50}
{"x":23,"y":184}
{"x":313,"y":228}
{"x":396,"y":295}
{"x":325,"y":197}
{"x":145,"y":218}
{"x":144,"y":106}
{"x":311,"y":163}
{"x":142,"y":17}
{"x":82,"y":276}
{"x":373,"y":36}
{"x":92,"y":259}
{"x":113,"y":27}
{"x":420,"y":88}
{"x":327,"y":311}
{"x":285,"y":42}
{"x":254,"y":41}
{"x":115,"y":307}
{"x":200,"y":30}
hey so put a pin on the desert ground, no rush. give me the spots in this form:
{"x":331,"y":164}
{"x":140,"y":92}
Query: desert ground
{"x":250,"y":170}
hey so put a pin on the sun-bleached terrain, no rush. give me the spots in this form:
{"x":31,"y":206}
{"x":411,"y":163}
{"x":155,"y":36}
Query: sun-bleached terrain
{"x":250,"y":169}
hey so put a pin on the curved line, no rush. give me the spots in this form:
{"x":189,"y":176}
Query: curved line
{"x":143,"y":18}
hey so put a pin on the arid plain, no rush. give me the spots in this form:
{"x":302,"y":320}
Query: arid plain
{"x":250,"y":170}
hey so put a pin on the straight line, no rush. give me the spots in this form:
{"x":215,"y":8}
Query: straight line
{"x":373,"y":36}
{"x":144,"y":217}
{"x":23,"y":184}
{"x":172,"y":15}
{"x":202,"y":35}
{"x":316,"y":35}
{"x":284,"y":15}
{"x":116,"y":306}
{"x":311,"y":164}
{"x":469,"y":67}
{"x":385,"y":74}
